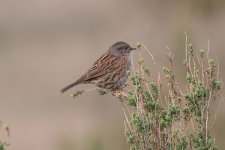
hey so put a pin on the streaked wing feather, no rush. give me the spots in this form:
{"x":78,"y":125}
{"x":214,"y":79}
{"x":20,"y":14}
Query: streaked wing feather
{"x":100,"y":68}
{"x":94,"y":72}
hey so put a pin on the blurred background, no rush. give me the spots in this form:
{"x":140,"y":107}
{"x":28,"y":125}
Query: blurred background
{"x":47,"y":44}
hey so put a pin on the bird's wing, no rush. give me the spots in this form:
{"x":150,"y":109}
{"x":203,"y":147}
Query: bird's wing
{"x":105,"y":64}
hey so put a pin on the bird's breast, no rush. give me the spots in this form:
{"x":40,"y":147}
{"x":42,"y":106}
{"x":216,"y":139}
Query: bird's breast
{"x":128,"y":64}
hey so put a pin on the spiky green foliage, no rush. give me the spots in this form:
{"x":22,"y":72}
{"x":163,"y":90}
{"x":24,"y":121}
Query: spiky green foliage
{"x":178,"y":119}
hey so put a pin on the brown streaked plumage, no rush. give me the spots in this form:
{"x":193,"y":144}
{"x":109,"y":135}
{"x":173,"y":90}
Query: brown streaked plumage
{"x":110,"y":70}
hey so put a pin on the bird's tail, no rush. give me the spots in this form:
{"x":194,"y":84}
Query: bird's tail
{"x":68,"y":87}
{"x":79,"y":81}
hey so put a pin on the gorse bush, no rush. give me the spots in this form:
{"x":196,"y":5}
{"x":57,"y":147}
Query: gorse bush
{"x":176,"y":119}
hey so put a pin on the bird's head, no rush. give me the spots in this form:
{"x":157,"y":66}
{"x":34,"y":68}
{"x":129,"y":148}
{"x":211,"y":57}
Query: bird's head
{"x":121,"y":49}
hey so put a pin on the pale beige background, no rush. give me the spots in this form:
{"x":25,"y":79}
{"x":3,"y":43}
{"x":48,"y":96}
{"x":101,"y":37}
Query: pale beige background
{"x":46,"y":44}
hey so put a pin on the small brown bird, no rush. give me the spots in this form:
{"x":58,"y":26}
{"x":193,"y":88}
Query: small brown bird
{"x":110,"y":71}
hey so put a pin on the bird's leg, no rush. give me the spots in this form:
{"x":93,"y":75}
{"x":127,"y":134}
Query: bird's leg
{"x":123,"y":88}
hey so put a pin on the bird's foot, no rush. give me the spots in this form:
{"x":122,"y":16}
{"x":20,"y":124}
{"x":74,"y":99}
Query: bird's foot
{"x":115,"y":91}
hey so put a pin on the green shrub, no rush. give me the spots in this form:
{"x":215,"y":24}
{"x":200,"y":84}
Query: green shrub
{"x":177,"y":119}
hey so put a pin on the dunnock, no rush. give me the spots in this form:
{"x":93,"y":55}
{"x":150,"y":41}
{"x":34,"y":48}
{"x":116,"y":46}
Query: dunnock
{"x":110,"y":71}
